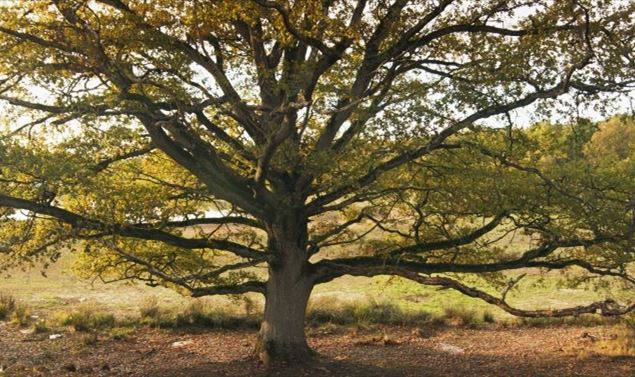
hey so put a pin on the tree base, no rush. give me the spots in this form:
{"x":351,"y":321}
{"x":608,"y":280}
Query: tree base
{"x":270,"y":352}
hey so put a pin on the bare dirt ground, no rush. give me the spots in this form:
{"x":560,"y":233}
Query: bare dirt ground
{"x":446,"y":351}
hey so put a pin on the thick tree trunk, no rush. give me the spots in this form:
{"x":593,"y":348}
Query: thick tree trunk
{"x":281,"y":336}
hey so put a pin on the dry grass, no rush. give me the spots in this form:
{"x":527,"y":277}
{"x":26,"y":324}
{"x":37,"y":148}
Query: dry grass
{"x":85,"y":318}
{"x":199,"y":313}
{"x":149,"y":308}
{"x":21,"y":314}
{"x":7,"y":305}
{"x":622,"y":342}
{"x":621,"y":345}
{"x":41,"y":326}
{"x":327,"y":310}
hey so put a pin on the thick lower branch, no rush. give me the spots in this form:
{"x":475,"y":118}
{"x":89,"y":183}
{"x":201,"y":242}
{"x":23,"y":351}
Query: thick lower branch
{"x":327,"y":270}
{"x":80,"y":222}
{"x":607,"y":307}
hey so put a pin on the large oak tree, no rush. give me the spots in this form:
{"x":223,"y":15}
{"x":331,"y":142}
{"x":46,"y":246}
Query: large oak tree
{"x":190,"y":143}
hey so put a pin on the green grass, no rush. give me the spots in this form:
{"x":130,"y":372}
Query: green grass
{"x":121,"y":333}
{"x":533,"y":292}
{"x":61,"y":288}
{"x":352,"y":300}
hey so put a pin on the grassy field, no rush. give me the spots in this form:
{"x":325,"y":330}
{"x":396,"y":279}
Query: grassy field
{"x":61,"y":289}
{"x":61,"y":325}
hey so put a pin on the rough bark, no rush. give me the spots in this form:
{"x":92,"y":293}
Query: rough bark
{"x":281,"y":336}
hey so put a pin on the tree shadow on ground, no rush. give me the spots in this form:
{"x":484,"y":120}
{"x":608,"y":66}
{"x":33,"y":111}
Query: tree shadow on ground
{"x":552,"y":352}
{"x":323,"y":367}
{"x":421,"y":362}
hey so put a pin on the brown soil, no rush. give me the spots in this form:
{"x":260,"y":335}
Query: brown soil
{"x":388,"y":351}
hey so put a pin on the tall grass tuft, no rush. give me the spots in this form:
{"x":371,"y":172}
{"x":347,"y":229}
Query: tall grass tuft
{"x":7,"y":305}
{"x":329,"y":311}
{"x":197,"y":314}
{"x":21,"y":314}
{"x":201,"y":314}
{"x":86,"y":319}
{"x":149,"y":308}
{"x":461,"y":316}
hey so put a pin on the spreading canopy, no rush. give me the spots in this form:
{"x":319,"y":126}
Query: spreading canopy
{"x":189,"y":143}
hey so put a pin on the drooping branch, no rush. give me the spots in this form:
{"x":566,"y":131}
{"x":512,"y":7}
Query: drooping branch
{"x":314,"y":242}
{"x":204,"y":277}
{"x":606,"y":307}
{"x":527,"y":169}
{"x":149,"y":267}
{"x":190,"y":282}
{"x":38,"y":40}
